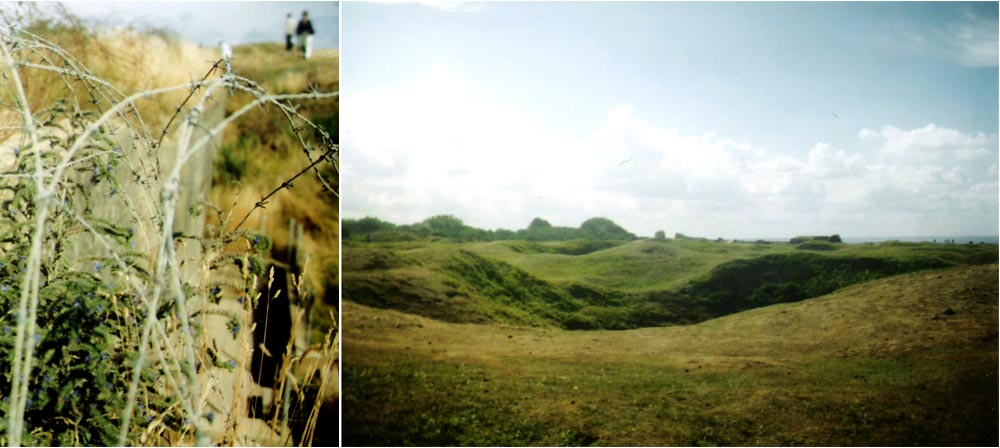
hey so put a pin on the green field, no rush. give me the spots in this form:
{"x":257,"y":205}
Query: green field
{"x":688,"y":342}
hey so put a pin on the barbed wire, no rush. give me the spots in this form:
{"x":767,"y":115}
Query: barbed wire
{"x":52,"y":170}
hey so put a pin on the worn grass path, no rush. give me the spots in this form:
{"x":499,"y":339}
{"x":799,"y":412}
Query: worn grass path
{"x":909,"y":360}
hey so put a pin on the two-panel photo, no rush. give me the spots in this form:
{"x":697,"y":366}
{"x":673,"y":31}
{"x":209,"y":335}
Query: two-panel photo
{"x":532,"y":223}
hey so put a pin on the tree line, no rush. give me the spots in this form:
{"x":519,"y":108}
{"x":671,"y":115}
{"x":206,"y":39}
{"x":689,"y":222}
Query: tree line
{"x":372,"y":229}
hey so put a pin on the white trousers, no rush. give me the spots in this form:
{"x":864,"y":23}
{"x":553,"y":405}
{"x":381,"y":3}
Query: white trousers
{"x":306,"y":43}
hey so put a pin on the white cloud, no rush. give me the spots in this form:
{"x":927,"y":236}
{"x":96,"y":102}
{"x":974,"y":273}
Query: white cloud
{"x":931,"y":142}
{"x":440,"y":144}
{"x":976,"y":39}
{"x":970,"y":40}
{"x":459,"y":149}
{"x":825,"y":161}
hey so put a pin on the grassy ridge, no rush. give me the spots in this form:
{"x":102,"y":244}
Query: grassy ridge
{"x":908,"y":360}
{"x":616,"y":285}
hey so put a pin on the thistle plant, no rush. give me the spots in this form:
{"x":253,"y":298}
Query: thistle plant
{"x":107,"y":275}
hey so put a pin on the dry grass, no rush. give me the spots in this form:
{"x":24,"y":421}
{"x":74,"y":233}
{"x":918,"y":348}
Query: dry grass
{"x":269,"y":154}
{"x":128,"y":60}
{"x":283,"y":72}
{"x":140,"y":61}
{"x":156,"y":59}
{"x":877,"y":363}
{"x":264,"y":140}
{"x":132,"y":62}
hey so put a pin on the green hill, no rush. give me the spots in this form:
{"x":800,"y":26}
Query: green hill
{"x":617,"y":284}
{"x":907,"y":360}
{"x":461,"y":336}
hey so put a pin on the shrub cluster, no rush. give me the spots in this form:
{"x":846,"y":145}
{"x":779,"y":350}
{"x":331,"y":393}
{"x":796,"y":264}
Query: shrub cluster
{"x":802,"y":239}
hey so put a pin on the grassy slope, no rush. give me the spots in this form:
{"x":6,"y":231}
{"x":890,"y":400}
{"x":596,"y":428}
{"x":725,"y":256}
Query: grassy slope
{"x":626,"y":285}
{"x":909,"y":360}
{"x":648,"y":265}
{"x":632,"y":267}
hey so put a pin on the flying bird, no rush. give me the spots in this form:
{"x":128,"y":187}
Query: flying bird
{"x":834,"y":115}
{"x":624,"y":161}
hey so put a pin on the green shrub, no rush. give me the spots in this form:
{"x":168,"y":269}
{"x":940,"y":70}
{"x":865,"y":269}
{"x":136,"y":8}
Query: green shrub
{"x":681,"y":236}
{"x":538,"y":224}
{"x":231,"y":164}
{"x":82,"y":368}
{"x":361,"y":228}
{"x":802,"y":239}
{"x":604,"y":229}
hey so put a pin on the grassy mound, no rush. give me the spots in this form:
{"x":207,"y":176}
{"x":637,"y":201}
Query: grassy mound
{"x":585,"y":284}
{"x":462,"y":287}
{"x":817,"y":372}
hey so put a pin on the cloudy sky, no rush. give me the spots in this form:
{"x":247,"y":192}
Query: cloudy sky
{"x":712,"y":119}
{"x":208,"y":23}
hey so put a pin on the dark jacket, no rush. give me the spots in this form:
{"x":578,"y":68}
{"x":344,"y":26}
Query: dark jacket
{"x":305,"y":27}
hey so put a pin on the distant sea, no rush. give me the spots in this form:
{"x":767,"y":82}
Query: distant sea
{"x":994,"y":239}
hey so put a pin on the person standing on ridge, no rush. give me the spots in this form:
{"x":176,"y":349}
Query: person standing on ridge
{"x":289,"y":32}
{"x":304,"y":32}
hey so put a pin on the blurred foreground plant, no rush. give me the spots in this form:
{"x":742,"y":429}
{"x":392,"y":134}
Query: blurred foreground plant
{"x":106,"y":276}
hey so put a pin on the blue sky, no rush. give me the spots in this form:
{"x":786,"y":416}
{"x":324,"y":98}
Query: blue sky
{"x":208,"y":23}
{"x":714,"y":119}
